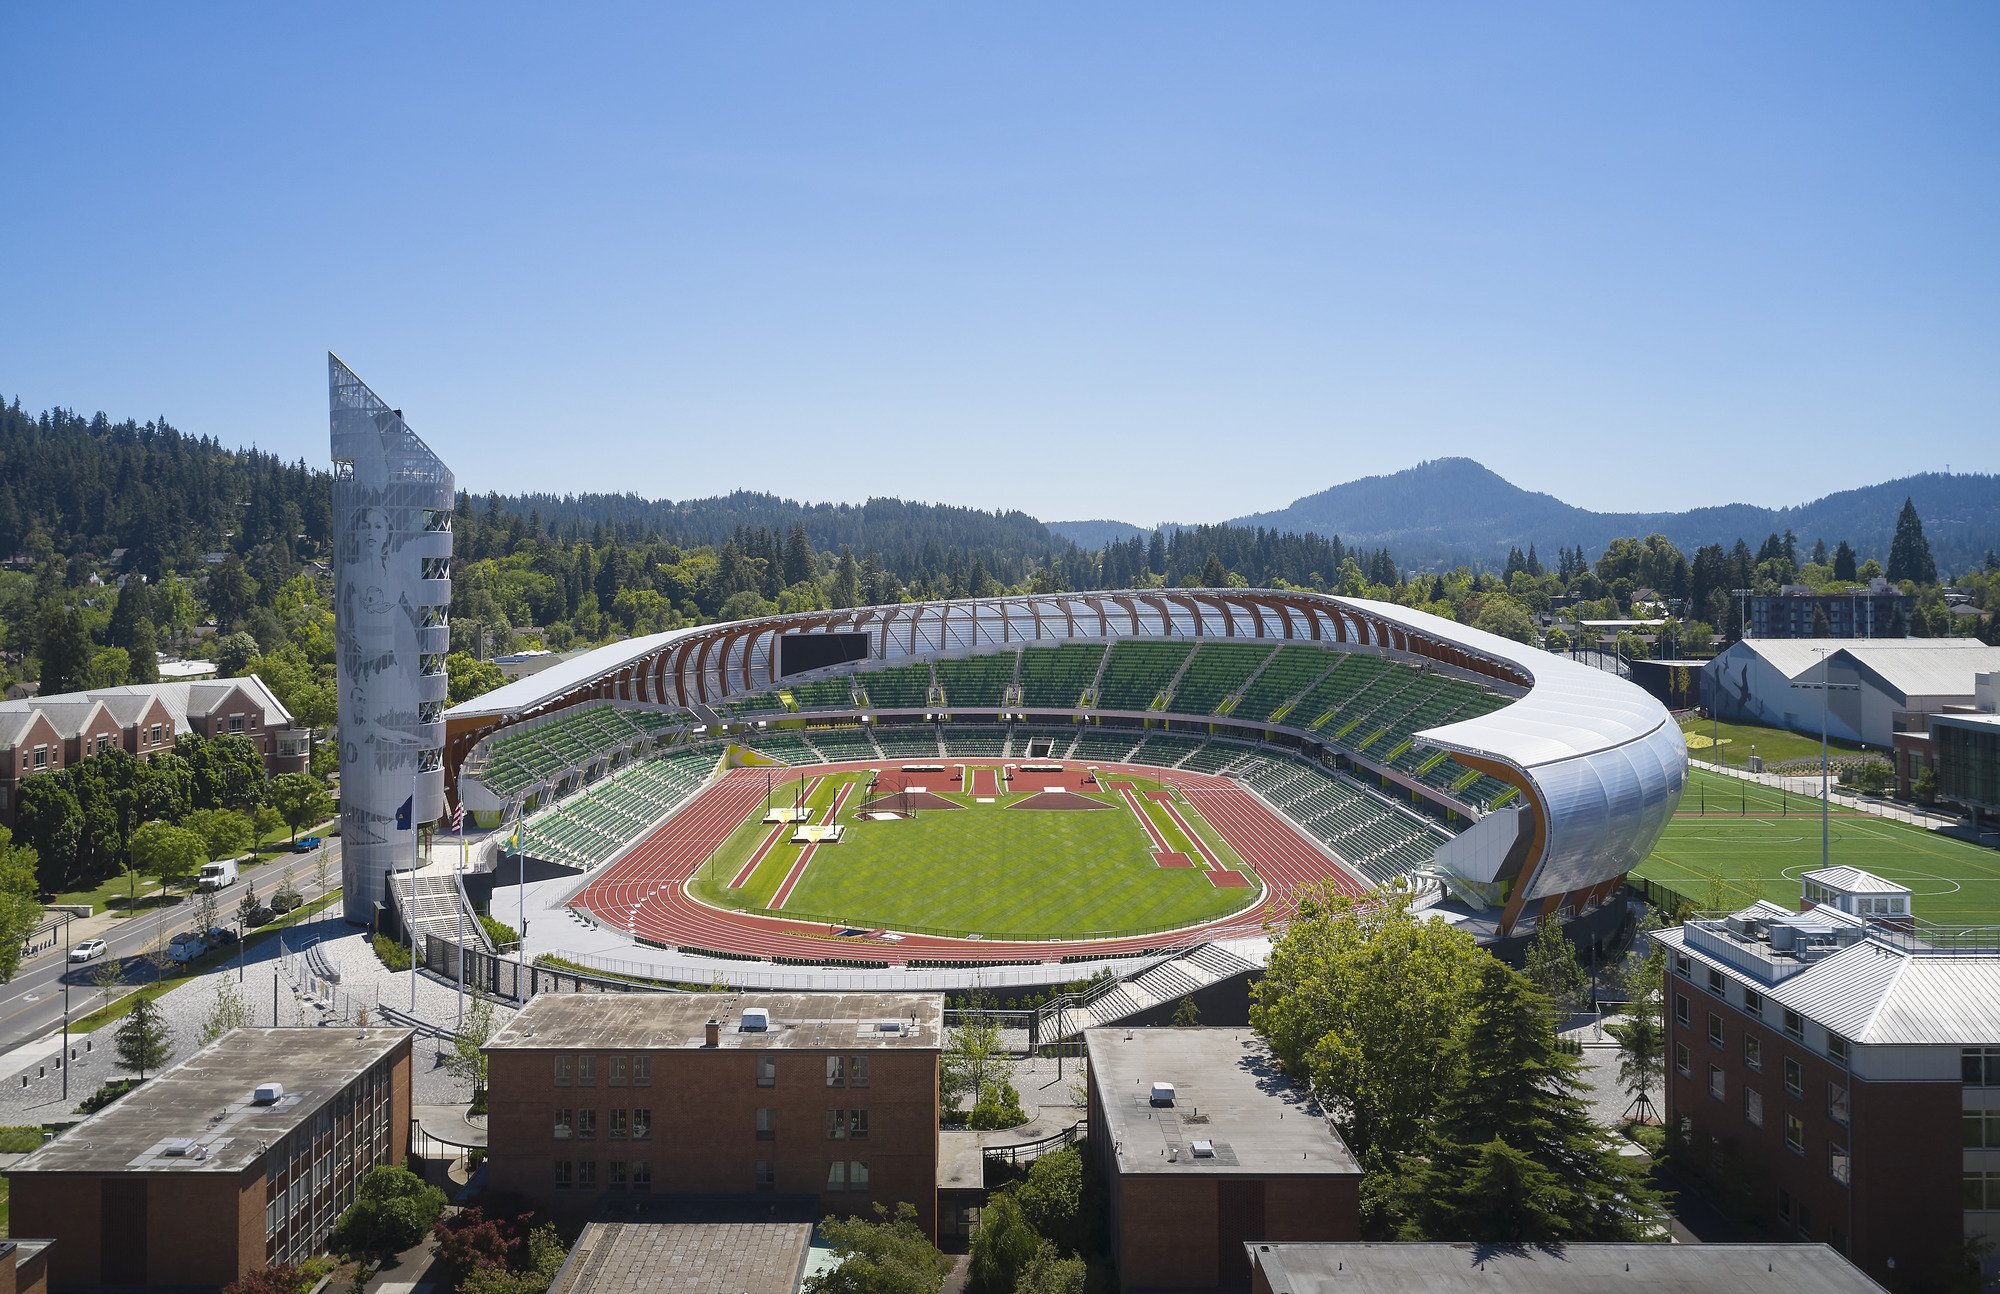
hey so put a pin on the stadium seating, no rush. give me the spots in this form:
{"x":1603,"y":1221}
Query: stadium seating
{"x":1353,"y":671}
{"x":1165,"y":750}
{"x":1377,"y":839}
{"x":976,"y":682}
{"x":1106,"y":745}
{"x":1062,"y":737}
{"x":1218,"y":671}
{"x":975,"y":740}
{"x":571,"y":741}
{"x":1058,"y":676}
{"x":824,"y":694}
{"x":906,"y":687}
{"x":1137,"y":671}
{"x":594,"y":824}
{"x":1291,"y":672}
{"x":738,"y":707}
{"x":842,"y":745}
{"x":908,"y":742}
{"x":787,"y":745}
{"x":1217,"y":757}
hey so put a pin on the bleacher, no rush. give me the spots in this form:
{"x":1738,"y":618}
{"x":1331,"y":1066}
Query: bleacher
{"x":786,"y":744}
{"x":1064,"y":736}
{"x":1291,"y":671}
{"x":908,"y":742}
{"x":1136,"y":672}
{"x":1165,"y":749}
{"x":976,"y":682}
{"x":843,"y":745}
{"x":1217,"y":757}
{"x":1355,"y":671}
{"x":1057,"y":676}
{"x":587,"y":828}
{"x":1217,"y":672}
{"x":738,"y":707}
{"x":1380,"y":841}
{"x":905,"y":687}
{"x":573,"y":740}
{"x":1106,"y":745}
{"x":824,"y":694}
{"x":975,"y":740}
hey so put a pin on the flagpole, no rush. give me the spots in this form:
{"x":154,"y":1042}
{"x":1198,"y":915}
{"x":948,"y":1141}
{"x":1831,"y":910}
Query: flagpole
{"x":410,"y":914}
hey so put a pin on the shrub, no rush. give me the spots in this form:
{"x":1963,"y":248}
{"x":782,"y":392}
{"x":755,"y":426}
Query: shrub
{"x":20,"y":1139}
{"x":105,"y":1095}
{"x":998,"y":1106}
{"x":393,"y":1210}
{"x":394,"y":955}
{"x":502,"y":934}
{"x":282,"y":1278}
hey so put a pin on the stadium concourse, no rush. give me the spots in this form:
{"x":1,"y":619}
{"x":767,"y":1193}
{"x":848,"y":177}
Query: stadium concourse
{"x":1323,"y":738}
{"x":645,"y":895}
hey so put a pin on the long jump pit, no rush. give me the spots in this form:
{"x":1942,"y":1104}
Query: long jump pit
{"x":901,"y":804}
{"x":1053,"y":798}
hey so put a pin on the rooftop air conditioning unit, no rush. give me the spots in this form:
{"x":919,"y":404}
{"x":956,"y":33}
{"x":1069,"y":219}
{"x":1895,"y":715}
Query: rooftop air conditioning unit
{"x":1163,"y":1094}
{"x":268,"y":1094}
{"x":755,"y":1020}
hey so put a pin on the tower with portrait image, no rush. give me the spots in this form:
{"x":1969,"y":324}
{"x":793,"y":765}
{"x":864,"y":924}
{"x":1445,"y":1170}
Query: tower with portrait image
{"x":392,"y":511}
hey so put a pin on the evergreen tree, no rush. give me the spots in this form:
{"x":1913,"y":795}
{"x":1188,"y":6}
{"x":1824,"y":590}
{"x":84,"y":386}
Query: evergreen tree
{"x":1551,"y":966}
{"x":1514,"y":1157}
{"x":1910,"y":552}
{"x":1820,"y":626}
{"x":1843,"y":562}
{"x":144,"y":1039}
{"x":65,"y":651}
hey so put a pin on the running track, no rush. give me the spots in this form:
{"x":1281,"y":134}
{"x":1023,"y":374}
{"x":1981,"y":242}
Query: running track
{"x":645,"y":892}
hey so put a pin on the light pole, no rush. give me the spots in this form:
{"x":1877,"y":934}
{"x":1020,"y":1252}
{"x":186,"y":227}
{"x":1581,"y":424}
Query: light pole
{"x":67,"y":918}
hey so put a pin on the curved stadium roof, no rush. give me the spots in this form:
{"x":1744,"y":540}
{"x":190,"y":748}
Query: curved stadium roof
{"x":1600,"y":760}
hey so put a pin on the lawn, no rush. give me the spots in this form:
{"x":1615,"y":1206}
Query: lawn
{"x":983,"y":869}
{"x":1754,"y":841}
{"x":1731,"y":744}
{"x":115,"y":894}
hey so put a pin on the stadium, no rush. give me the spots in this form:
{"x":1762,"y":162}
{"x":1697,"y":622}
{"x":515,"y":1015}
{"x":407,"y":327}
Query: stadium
{"x":1042,"y":782}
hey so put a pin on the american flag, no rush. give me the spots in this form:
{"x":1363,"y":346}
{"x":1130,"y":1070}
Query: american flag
{"x":458,"y":818}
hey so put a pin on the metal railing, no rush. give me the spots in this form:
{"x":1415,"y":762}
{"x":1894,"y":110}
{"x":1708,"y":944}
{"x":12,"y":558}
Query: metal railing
{"x":1029,"y":1150}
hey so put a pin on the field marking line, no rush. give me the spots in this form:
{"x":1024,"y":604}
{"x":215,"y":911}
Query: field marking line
{"x":805,"y":855}
{"x":770,"y":842}
{"x":1208,"y":856}
{"x":1132,"y":802}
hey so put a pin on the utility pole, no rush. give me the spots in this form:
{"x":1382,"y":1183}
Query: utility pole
{"x":1742,"y":614}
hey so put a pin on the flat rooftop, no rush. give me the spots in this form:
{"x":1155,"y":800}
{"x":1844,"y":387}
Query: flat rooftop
{"x":1427,"y":1268}
{"x":201,"y":1108}
{"x":653,"y":1248}
{"x":1228,"y":1091}
{"x":679,"y":1021}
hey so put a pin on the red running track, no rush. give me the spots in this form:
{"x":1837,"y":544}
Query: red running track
{"x":645,"y":892}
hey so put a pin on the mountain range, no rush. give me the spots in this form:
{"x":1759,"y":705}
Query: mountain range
{"x":1452,"y":510}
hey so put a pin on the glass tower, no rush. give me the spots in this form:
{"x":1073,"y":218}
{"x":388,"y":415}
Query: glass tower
{"x":392,"y":508}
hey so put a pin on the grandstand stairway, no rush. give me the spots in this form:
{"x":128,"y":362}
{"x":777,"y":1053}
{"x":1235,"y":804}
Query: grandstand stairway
{"x":435,"y":907}
{"x":1163,"y":982}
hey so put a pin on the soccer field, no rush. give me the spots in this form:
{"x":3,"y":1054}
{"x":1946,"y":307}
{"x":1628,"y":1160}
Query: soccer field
{"x":987,"y":869}
{"x":1753,"y":842}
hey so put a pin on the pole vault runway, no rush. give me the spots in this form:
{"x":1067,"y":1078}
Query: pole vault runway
{"x":645,"y":893}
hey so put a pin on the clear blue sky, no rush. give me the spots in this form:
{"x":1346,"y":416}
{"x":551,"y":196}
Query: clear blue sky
{"x":1150,"y":261}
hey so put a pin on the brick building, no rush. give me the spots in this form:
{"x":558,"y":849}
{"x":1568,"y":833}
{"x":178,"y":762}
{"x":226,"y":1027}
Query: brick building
{"x":824,"y":1098}
{"x":1434,"y":1268}
{"x":1226,"y":1153}
{"x":24,"y":1266}
{"x":192,"y":1180}
{"x":1845,"y":1060}
{"x":45,"y":733}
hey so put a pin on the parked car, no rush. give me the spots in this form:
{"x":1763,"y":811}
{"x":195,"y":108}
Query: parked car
{"x":88,"y":950}
{"x":217,"y":936}
{"x":185,"y":947}
{"x":305,"y":844}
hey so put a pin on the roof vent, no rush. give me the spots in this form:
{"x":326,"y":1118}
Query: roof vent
{"x":755,"y":1020}
{"x":889,"y":1026}
{"x":1204,"y":1150}
{"x":1163,"y":1094}
{"x":268,"y":1094}
{"x":181,"y":1148}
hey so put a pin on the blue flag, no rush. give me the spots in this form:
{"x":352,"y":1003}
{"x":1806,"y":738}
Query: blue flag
{"x":404,"y":814}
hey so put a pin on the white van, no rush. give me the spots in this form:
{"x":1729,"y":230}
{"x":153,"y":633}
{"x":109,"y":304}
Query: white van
{"x":217,"y":876}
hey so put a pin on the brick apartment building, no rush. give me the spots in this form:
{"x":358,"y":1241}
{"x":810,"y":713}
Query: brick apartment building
{"x":1846,"y":1059}
{"x":192,"y":1180}
{"x":45,"y":733}
{"x":24,"y":1266}
{"x":1227,"y":1153}
{"x":830,"y":1099}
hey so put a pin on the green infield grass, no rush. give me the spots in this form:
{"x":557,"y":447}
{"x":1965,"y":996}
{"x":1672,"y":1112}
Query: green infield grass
{"x":979,"y":869}
{"x":1734,"y":842}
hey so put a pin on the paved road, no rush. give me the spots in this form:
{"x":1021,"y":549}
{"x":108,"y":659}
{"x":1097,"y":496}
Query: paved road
{"x":31,"y":1004}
